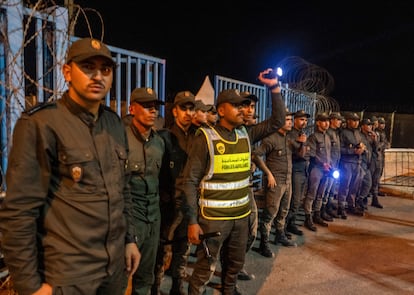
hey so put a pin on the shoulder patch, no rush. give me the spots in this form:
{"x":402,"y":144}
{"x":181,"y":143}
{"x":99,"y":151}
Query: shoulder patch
{"x":39,"y":107}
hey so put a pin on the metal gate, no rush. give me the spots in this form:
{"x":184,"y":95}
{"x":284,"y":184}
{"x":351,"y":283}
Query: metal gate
{"x":33,"y":45}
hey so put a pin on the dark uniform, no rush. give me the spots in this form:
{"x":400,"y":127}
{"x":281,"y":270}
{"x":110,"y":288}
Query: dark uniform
{"x":71,"y":185}
{"x":216,"y":186}
{"x":300,"y":165}
{"x":331,"y":190}
{"x":319,"y":143}
{"x":367,"y":161}
{"x":382,"y":146}
{"x":144,"y":163}
{"x":174,"y":223}
{"x":277,"y":150}
{"x":350,"y":166}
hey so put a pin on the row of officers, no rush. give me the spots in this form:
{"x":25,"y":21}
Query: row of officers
{"x":334,"y":170}
{"x":100,"y":205}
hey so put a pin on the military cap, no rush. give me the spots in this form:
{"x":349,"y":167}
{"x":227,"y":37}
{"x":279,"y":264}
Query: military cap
{"x":184,"y":97}
{"x":335,"y":115}
{"x":212,"y":108}
{"x":366,"y":121}
{"x":374,"y":119}
{"x":144,"y":94}
{"x":251,"y":96}
{"x":322,"y":117}
{"x":199,"y":105}
{"x":381,"y":120}
{"x":352,"y":116}
{"x":301,"y":113}
{"x":85,"y":48}
{"x":231,"y":96}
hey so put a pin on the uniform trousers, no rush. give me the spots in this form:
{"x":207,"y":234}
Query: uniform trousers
{"x":277,"y":207}
{"x":316,"y":188}
{"x":149,"y":235}
{"x":231,"y":245}
{"x":114,"y":284}
{"x":349,"y":183}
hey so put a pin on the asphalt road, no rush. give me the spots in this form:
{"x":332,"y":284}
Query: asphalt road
{"x":373,"y":254}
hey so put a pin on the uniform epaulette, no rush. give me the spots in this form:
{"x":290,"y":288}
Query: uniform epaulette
{"x":39,"y":107}
{"x":107,"y":108}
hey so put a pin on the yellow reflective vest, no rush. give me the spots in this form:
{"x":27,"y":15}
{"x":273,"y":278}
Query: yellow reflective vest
{"x":224,"y":190}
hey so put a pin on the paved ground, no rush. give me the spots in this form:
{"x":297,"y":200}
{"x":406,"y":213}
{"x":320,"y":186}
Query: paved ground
{"x":366,"y":255}
{"x":373,"y":254}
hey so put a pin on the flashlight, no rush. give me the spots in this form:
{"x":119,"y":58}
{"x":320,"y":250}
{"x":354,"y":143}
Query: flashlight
{"x":335,"y":173}
{"x":277,"y":72}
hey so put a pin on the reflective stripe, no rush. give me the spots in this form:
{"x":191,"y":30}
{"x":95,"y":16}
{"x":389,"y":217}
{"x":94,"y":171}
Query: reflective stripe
{"x":222,"y":204}
{"x":225,"y":185}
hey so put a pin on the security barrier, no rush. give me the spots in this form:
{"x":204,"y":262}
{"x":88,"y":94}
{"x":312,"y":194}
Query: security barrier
{"x":399,"y":167}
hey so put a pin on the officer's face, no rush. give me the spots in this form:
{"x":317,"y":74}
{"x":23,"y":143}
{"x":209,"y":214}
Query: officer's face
{"x":200,"y":117}
{"x":323,"y":125}
{"x":335,"y":123}
{"x":300,"y":122}
{"x":231,"y":115}
{"x":288,"y":123}
{"x":212,"y":117}
{"x":248,"y":111}
{"x":183,"y":115}
{"x":352,"y":123}
{"x":144,"y":114}
{"x":89,"y":80}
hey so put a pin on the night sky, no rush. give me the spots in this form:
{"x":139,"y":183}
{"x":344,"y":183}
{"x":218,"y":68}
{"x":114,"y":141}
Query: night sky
{"x":367,"y":51}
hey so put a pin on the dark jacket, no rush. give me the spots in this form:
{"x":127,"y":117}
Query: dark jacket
{"x":144,"y":165}
{"x":63,"y":217}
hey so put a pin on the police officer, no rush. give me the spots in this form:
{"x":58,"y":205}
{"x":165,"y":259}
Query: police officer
{"x":216,"y":186}
{"x":384,"y":144}
{"x":144,"y":162}
{"x":320,"y":166}
{"x":331,"y":191}
{"x":300,"y":164}
{"x":212,"y":116}
{"x":64,"y":220}
{"x":174,"y":245}
{"x":200,"y":115}
{"x":248,"y":111}
{"x":277,"y":166}
{"x":368,"y":163}
{"x":350,"y":165}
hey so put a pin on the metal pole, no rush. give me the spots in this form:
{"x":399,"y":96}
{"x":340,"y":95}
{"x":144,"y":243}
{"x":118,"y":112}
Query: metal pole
{"x":392,"y":127}
{"x":69,"y":5}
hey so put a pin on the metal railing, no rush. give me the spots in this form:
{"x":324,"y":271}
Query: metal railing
{"x":33,"y":46}
{"x":398,"y":167}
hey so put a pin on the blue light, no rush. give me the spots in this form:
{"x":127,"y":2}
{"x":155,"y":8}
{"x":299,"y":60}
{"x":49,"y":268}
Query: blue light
{"x":335,"y":173}
{"x":279,"y":71}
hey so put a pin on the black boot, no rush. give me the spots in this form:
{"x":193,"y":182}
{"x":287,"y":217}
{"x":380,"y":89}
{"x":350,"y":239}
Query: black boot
{"x":324,"y":215}
{"x":318,"y":219}
{"x":356,"y":211}
{"x":280,"y":238}
{"x":309,"y":223}
{"x":244,"y":275}
{"x":332,"y":203}
{"x":177,"y":287}
{"x":360,"y":203}
{"x":375,"y":202}
{"x":292,"y":227}
{"x":365,"y":203}
{"x":342,"y":212}
{"x":264,"y":248}
{"x":329,"y":209}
